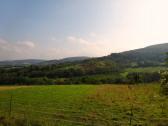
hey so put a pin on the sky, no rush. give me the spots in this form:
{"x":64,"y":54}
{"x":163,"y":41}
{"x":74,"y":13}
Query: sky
{"x":54,"y":29}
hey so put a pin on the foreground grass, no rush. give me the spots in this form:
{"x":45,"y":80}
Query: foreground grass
{"x":71,"y":105}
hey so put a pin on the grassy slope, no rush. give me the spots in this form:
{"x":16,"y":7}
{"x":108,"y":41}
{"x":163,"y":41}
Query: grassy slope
{"x":146,"y":69}
{"x":86,"y":104}
{"x":142,"y":69}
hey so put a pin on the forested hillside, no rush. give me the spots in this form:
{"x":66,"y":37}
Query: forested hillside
{"x":59,"y":73}
{"x":149,"y":56}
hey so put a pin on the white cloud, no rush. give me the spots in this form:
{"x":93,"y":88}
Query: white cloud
{"x":93,"y":34}
{"x":53,"y":38}
{"x":16,"y":50}
{"x":28,"y":44}
{"x":2,"y":41}
{"x":71,"y":38}
{"x":94,"y":46}
{"x":78,"y":40}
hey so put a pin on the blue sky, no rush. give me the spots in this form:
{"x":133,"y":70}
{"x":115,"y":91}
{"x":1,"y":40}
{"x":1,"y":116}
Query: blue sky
{"x":40,"y":19}
{"x":51,"y":29}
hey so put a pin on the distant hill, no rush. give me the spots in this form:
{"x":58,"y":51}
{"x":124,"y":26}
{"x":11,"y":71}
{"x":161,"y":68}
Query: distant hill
{"x":148,"y":56}
{"x":40,"y":62}
{"x":64,"y":60}
{"x":20,"y":62}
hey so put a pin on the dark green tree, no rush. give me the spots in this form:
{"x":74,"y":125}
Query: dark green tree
{"x":164,"y":79}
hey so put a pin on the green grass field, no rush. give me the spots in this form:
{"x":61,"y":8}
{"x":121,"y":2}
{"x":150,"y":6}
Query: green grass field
{"x":83,"y":105}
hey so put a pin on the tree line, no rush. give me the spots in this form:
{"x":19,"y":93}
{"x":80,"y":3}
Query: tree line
{"x":93,"y":71}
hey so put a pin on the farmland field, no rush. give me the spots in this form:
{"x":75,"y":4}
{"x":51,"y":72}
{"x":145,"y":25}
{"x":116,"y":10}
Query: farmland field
{"x":83,"y":105}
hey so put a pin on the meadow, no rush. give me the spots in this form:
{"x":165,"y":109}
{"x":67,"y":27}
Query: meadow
{"x":83,"y":105}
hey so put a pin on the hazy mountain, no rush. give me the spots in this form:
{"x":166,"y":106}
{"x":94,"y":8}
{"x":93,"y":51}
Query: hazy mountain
{"x":20,"y":62}
{"x":151,"y":55}
{"x":64,"y":60}
{"x":40,"y":62}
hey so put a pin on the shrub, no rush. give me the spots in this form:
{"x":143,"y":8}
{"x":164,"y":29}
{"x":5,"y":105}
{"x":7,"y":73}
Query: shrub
{"x":164,"y":83}
{"x":142,"y":77}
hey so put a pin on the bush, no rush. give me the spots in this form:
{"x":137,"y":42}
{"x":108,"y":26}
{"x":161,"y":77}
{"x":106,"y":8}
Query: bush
{"x":142,"y":77}
{"x":164,"y":83}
